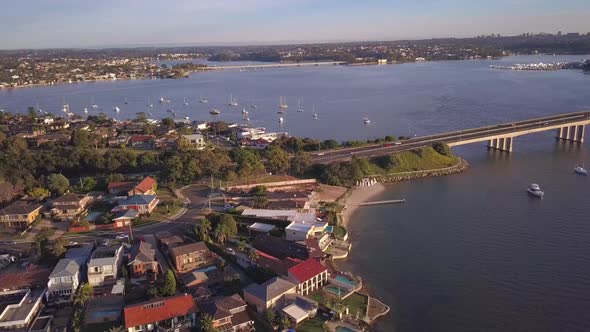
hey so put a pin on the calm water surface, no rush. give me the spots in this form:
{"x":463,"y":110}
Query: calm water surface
{"x":470,"y":252}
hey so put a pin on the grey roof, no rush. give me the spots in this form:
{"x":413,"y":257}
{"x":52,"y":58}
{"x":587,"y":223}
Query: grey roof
{"x":21,"y":207}
{"x":104,"y":256}
{"x":270,"y":289}
{"x":80,"y":252}
{"x":142,"y":252}
{"x":65,"y":268}
{"x":138,"y":200}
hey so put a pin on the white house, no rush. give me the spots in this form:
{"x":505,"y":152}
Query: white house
{"x":63,"y":281}
{"x":104,"y":265}
{"x":195,"y":140}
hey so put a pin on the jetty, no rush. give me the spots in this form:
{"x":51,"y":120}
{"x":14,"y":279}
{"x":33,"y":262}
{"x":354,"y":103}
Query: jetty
{"x":390,"y":201}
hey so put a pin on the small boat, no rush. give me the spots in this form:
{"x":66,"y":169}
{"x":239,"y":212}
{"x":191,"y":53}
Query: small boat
{"x":85,"y":110}
{"x":253,"y":106}
{"x":283,"y":103}
{"x":162,"y":100}
{"x":116,"y":109}
{"x":315,"y":115}
{"x":186,"y":118}
{"x":184,"y":102}
{"x":126,"y":102}
{"x":281,"y":120}
{"x":232,"y":101}
{"x":580,"y":170}
{"x":170,"y":110}
{"x":366,"y":120}
{"x":299,"y":109}
{"x":280,"y":112}
{"x":203,"y":100}
{"x":94,"y":106}
{"x":214,"y":111}
{"x":535,"y":190}
{"x":244,"y":111}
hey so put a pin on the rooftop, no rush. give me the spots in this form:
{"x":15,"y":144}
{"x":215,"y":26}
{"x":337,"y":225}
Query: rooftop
{"x":21,"y":207}
{"x":261,"y":227}
{"x":159,"y":309}
{"x":146,"y":184}
{"x":189,"y":248}
{"x":65,"y":267}
{"x":271,"y":289}
{"x":307,"y":270}
{"x":138,"y":200}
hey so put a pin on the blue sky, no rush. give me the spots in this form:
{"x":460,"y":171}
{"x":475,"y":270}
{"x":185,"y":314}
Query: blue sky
{"x":99,"y":23}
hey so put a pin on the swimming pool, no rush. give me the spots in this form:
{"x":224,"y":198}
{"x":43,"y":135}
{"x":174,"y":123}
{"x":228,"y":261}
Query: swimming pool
{"x":336,"y":290}
{"x":346,"y":280}
{"x":92,"y":216}
{"x":344,"y":329}
{"x":207,"y":269}
{"x":330,"y":229}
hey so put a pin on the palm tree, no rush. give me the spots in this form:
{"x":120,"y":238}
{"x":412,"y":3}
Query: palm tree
{"x":220,"y":234}
{"x":206,"y":323}
{"x":253,"y":255}
{"x":242,"y":246}
{"x":204,"y":229}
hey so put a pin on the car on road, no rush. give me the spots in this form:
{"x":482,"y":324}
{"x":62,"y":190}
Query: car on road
{"x":320,"y":154}
{"x":73,"y":243}
{"x":230,"y":251}
{"x":122,"y":236}
{"x":398,"y":143}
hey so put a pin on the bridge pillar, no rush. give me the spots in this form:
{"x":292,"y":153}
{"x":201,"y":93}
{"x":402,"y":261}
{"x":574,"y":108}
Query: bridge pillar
{"x":582,"y":129}
{"x":571,"y":133}
{"x":501,"y":144}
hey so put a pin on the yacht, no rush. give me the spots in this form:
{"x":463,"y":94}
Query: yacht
{"x":315,"y":115}
{"x":232,"y":101}
{"x":281,"y":112}
{"x":580,"y":170}
{"x":281,"y":120}
{"x":283,"y":102}
{"x":184,"y":102}
{"x":214,"y":111}
{"x":163,"y":100}
{"x":535,"y":190}
{"x":366,"y":120}
{"x":85,"y":110}
{"x":126,"y":102}
{"x":244,"y":111}
{"x":94,"y":106}
{"x":116,"y":109}
{"x":186,"y":118}
{"x":203,"y":100}
{"x":299,"y":109}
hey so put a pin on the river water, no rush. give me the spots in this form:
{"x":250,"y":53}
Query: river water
{"x":469,"y":252}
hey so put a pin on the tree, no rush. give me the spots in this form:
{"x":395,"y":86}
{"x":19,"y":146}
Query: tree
{"x":258,"y":190}
{"x":269,"y":316}
{"x":253,"y":255}
{"x":169,"y":286}
{"x":329,"y":144}
{"x":115,"y":177}
{"x":57,"y":184}
{"x":59,"y":247}
{"x":80,"y":139}
{"x":259,"y":202}
{"x":41,"y":240}
{"x":242,"y":246}
{"x":204,"y":229}
{"x":206,"y":323}
{"x":278,"y":160}
{"x":39,"y":193}
{"x":32,"y":113}
{"x":229,"y":225}
{"x":83,"y":295}
{"x":88,"y":184}
{"x":168,"y":123}
{"x":285,"y":322}
{"x":220,"y":234}
{"x":442,"y":148}
{"x":300,"y":163}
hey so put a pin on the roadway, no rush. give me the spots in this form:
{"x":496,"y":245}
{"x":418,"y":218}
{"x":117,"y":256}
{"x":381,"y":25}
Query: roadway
{"x":453,"y":138}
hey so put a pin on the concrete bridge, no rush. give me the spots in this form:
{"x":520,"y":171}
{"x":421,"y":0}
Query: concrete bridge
{"x":277,"y":65}
{"x":568,"y":127}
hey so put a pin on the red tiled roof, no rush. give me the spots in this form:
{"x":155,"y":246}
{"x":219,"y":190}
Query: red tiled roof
{"x":158,"y":310}
{"x":307,"y":270}
{"x":31,"y":277}
{"x":113,"y":185}
{"x":142,"y":138}
{"x":146,"y":184}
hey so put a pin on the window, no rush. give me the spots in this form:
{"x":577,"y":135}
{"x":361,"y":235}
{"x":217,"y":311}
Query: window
{"x":154,"y":305}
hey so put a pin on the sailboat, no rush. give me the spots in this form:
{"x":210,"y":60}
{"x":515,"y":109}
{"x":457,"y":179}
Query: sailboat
{"x":232,"y":101}
{"x":116,"y":109}
{"x":85,"y":110}
{"x":283,"y":102}
{"x":366,"y":120}
{"x":149,"y":104}
{"x":184,"y":102}
{"x":65,"y":107}
{"x":93,"y":105}
{"x":281,"y":120}
{"x":315,"y":115}
{"x":299,"y":109}
{"x":203,"y":100}
{"x":126,"y":102}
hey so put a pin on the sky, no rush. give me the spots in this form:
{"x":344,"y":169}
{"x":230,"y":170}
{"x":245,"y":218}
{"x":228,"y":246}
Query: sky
{"x":112,"y":23}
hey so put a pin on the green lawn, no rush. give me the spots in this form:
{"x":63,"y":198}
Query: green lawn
{"x":339,"y":232}
{"x":421,"y":159}
{"x":357,"y":303}
{"x":315,"y":324}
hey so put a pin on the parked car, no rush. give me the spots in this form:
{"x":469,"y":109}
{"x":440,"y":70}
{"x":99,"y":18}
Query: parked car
{"x":230,"y":251}
{"x":122,"y":236}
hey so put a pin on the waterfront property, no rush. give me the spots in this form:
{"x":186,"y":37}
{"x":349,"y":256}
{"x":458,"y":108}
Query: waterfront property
{"x":161,"y":314}
{"x":309,"y":276}
{"x":229,"y":314}
{"x":19,"y":308}
{"x":20,"y":214}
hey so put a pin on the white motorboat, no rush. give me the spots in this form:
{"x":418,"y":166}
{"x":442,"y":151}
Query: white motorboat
{"x":283,"y":102}
{"x":232,"y":101}
{"x":214,"y":111}
{"x":203,"y":100}
{"x":366,"y":120}
{"x":116,"y":109}
{"x":535,"y":190}
{"x":281,"y":120}
{"x":580,"y":170}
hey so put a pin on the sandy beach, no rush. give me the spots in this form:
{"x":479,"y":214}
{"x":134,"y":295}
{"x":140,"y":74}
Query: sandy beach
{"x":357,"y":196}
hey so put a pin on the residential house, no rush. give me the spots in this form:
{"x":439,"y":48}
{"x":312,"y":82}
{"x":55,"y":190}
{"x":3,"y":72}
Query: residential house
{"x":201,"y":125}
{"x":147,"y":186}
{"x":280,"y":248}
{"x":161,"y":314}
{"x":20,"y":214}
{"x":168,"y":241}
{"x":119,"y":188}
{"x":68,"y":206}
{"x":191,"y":256}
{"x":298,"y":308}
{"x":142,"y":141}
{"x":267,"y":295}
{"x":57,"y":138}
{"x":309,"y":276}
{"x":104,"y":266}
{"x":196,"y":141}
{"x":124,"y":218}
{"x":117,"y":141}
{"x":63,"y":281}
{"x":102,"y":311}
{"x":143,"y":204}
{"x":42,"y":324}
{"x":166,"y":141}
{"x":19,"y":308}
{"x":277,"y":265}
{"x":229,"y":314}
{"x":142,"y":261}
